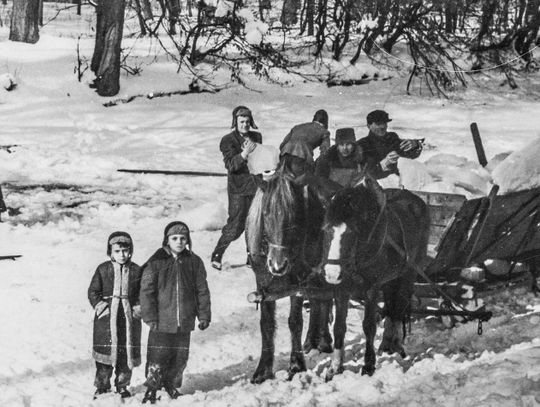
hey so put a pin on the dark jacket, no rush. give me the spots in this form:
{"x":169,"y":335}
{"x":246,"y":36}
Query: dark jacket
{"x":336,"y":172}
{"x":310,"y":135}
{"x":376,"y":148}
{"x":239,"y":180}
{"x":101,"y":289}
{"x":174,"y":291}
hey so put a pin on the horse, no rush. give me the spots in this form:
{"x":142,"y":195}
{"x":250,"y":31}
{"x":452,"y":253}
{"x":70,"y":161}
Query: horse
{"x":373,"y":240}
{"x":284,"y":234}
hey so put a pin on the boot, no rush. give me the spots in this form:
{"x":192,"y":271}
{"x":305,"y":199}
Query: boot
{"x":149,"y":395}
{"x":216,"y":261}
{"x":172,"y":392}
{"x":99,"y":392}
{"x":124,"y":392}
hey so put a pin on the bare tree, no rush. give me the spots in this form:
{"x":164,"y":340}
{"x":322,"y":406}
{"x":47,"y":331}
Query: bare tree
{"x":24,"y":21}
{"x":106,"y":59}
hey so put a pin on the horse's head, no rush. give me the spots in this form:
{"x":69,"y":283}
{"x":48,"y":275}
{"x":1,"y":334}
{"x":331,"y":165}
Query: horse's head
{"x":274,"y":223}
{"x":350,"y":220}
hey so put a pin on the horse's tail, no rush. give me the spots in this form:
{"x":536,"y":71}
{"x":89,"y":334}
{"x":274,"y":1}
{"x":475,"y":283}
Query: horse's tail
{"x":254,"y":224}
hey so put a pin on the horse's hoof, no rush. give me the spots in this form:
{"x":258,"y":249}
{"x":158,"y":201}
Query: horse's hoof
{"x":259,"y":378}
{"x":369,"y":370}
{"x":325,"y":345}
{"x":329,"y":375}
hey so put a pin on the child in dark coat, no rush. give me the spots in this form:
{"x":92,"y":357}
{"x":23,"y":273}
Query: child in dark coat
{"x":114,"y":295}
{"x":174,"y":291}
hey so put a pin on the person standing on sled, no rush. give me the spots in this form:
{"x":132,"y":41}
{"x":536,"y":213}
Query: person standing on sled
{"x":382,"y":149}
{"x":114,"y":295}
{"x":297,"y":148}
{"x":342,"y":165}
{"x":174,"y":292}
{"x":241,"y":185}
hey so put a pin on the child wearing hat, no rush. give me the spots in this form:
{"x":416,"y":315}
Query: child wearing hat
{"x":174,"y":292}
{"x":114,"y":295}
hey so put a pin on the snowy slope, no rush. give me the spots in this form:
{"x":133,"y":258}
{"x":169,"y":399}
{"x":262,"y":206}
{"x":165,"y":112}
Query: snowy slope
{"x":67,"y":197}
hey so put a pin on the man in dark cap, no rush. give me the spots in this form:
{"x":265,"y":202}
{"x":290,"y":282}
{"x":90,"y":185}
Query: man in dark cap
{"x":382,"y":149}
{"x":298,"y":146}
{"x":241,"y":185}
{"x":342,"y":164}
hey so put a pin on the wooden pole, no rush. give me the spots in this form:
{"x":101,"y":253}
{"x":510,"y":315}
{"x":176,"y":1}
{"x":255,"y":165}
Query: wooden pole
{"x":478,"y":145}
{"x":165,"y":172}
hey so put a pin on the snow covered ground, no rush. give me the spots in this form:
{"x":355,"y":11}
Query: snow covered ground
{"x":67,"y":197}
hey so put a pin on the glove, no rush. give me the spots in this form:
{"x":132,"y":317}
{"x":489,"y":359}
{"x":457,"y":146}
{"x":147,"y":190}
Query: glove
{"x":136,"y":310}
{"x":203,"y":324}
{"x":390,"y":159}
{"x":153,"y":325}
{"x":102,"y":309}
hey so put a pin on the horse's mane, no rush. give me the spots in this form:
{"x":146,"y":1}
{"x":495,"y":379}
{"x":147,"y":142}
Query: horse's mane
{"x":279,"y":199}
{"x":352,"y":204}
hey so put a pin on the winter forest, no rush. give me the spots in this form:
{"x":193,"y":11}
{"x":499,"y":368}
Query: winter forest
{"x":91,"y":87}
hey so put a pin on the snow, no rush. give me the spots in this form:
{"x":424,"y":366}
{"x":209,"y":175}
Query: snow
{"x":67,"y":197}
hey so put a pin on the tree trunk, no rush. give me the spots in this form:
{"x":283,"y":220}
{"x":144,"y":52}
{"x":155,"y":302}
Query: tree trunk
{"x":310,"y":16}
{"x":174,"y":8}
{"x":24,"y":21}
{"x":289,"y":12}
{"x":106,"y":58}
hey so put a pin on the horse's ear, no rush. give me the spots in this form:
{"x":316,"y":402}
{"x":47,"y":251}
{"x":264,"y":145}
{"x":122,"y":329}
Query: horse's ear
{"x":372,"y":184}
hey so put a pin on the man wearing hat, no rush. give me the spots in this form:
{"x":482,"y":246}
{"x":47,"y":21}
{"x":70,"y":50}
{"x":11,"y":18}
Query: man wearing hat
{"x":382,"y":149}
{"x":241,"y":185}
{"x":342,"y":164}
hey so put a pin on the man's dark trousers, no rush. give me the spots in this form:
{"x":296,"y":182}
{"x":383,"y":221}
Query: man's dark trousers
{"x":236,"y":223}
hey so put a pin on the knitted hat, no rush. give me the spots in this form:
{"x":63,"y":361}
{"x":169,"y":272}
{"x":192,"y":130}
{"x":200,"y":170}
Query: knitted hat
{"x":176,"y":228}
{"x":322,"y":117}
{"x":345,"y":136}
{"x":118,"y":237}
{"x":378,"y":116}
{"x":242,"y":111}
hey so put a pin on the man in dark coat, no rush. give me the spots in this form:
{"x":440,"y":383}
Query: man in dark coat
{"x":174,"y":292}
{"x":298,"y":146}
{"x":114,"y":294}
{"x":241,"y":185}
{"x":382,"y":149}
{"x":342,"y":165}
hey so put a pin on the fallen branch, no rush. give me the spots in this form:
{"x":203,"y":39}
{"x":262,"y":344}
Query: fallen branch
{"x":152,"y":95}
{"x":12,"y":257}
{"x":165,"y":172}
{"x":8,"y":147}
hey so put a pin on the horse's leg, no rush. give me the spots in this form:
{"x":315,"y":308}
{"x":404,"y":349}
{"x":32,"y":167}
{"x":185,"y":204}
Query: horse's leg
{"x":268,"y":328}
{"x":370,"y":329}
{"x":340,"y":328}
{"x":313,"y":328}
{"x":297,"y":362}
{"x":397,"y":298}
{"x":325,"y":339}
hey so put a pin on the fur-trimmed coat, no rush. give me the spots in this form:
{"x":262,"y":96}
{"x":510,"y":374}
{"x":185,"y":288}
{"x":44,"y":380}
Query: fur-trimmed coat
{"x":105,"y":286}
{"x":174,"y":291}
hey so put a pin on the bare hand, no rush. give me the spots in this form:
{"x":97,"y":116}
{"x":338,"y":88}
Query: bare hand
{"x":248,"y":147}
{"x":390,"y":159}
{"x":100,"y":308}
{"x":152,"y":325}
{"x":407,"y":145}
{"x":136,"y":311}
